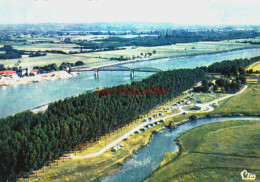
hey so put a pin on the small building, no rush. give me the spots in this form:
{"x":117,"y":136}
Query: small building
{"x":251,"y":80}
{"x":200,"y":106}
{"x":67,"y":68}
{"x":34,"y":72}
{"x":160,"y":114}
{"x":199,"y":101}
{"x":8,"y":73}
{"x":188,"y":102}
{"x":116,"y":147}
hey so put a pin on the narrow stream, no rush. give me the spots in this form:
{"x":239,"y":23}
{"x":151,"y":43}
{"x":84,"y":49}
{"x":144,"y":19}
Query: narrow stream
{"x":148,"y":158}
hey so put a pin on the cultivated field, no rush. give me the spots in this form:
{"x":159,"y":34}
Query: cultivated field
{"x":55,"y":58}
{"x":176,"y":50}
{"x":103,"y":58}
{"x":255,"y":66}
{"x":215,"y":152}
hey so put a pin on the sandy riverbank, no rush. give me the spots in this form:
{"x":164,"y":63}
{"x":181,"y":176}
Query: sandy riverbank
{"x":32,"y":79}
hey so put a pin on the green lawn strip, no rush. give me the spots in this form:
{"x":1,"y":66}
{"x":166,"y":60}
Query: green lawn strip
{"x":215,"y":152}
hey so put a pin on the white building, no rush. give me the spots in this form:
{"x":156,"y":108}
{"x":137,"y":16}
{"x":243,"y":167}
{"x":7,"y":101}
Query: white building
{"x":200,"y":106}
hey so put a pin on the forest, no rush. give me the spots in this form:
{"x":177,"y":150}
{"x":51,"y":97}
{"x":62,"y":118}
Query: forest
{"x":28,"y":141}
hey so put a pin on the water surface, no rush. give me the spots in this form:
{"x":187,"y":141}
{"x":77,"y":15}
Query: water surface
{"x":148,"y":158}
{"x":22,"y":97}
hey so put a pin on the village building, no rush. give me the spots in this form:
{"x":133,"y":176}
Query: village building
{"x":34,"y":72}
{"x":8,"y":73}
{"x":200,"y":106}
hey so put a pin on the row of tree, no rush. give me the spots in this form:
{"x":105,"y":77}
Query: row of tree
{"x":28,"y":141}
{"x":222,"y":84}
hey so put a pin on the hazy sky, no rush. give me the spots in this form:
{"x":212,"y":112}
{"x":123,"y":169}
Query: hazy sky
{"x":175,"y":11}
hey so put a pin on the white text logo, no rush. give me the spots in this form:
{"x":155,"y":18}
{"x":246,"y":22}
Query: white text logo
{"x":247,"y":176}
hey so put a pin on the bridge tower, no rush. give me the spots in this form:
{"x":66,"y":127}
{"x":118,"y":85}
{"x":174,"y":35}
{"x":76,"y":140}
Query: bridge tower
{"x":96,"y":73}
{"x":132,"y":73}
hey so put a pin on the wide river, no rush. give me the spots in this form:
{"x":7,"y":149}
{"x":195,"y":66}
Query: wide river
{"x":148,"y":158}
{"x":18,"y":98}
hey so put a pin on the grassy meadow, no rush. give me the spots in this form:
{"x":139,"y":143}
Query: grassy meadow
{"x":245,"y":103}
{"x":254,"y":67}
{"x":214,"y":152}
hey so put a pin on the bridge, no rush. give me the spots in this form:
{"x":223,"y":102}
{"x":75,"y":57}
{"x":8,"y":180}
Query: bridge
{"x":115,"y":68}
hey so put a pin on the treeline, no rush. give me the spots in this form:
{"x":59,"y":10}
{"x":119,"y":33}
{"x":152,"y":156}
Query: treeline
{"x":228,"y":67}
{"x":53,"y":67}
{"x":233,"y":75}
{"x":28,"y":141}
{"x":36,"y":54}
{"x":223,"y":85}
{"x":167,"y":37}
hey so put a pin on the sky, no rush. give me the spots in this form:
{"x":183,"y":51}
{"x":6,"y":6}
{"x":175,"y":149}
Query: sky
{"x":210,"y":12}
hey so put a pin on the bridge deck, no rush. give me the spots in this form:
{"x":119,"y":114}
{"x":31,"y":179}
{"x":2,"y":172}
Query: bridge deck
{"x":117,"y":68}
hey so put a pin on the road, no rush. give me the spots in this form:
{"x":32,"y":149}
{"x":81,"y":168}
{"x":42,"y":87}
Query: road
{"x":126,"y":135}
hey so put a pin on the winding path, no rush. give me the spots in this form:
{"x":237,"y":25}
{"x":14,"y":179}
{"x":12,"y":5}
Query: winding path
{"x":109,"y":146}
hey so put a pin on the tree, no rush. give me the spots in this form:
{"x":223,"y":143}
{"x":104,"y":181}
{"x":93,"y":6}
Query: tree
{"x":79,"y":63}
{"x":205,"y":86}
{"x":2,"y":67}
{"x":241,"y":71}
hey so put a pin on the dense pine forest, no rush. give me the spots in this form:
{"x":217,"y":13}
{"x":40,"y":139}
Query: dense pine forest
{"x":28,"y":141}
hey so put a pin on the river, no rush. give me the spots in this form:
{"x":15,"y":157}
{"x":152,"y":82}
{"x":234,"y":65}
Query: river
{"x":18,"y":98}
{"x":148,"y":158}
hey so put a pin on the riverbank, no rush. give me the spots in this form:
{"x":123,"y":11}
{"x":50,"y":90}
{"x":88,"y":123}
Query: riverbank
{"x":33,"y":79}
{"x":213,"y":152}
{"x":108,"y":160}
{"x":61,"y":75}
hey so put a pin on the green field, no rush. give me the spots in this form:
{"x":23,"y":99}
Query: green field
{"x":102,"y":58}
{"x":255,"y":66}
{"x":245,"y":103}
{"x":214,"y":152}
{"x":173,"y":50}
{"x":55,"y":58}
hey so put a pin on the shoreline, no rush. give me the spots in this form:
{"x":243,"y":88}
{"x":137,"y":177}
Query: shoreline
{"x":179,"y":148}
{"x":43,"y":77}
{"x":179,"y":145}
{"x":37,"y":78}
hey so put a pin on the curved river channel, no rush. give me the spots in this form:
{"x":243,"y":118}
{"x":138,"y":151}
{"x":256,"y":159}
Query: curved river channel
{"x":18,"y":98}
{"x":148,"y":158}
